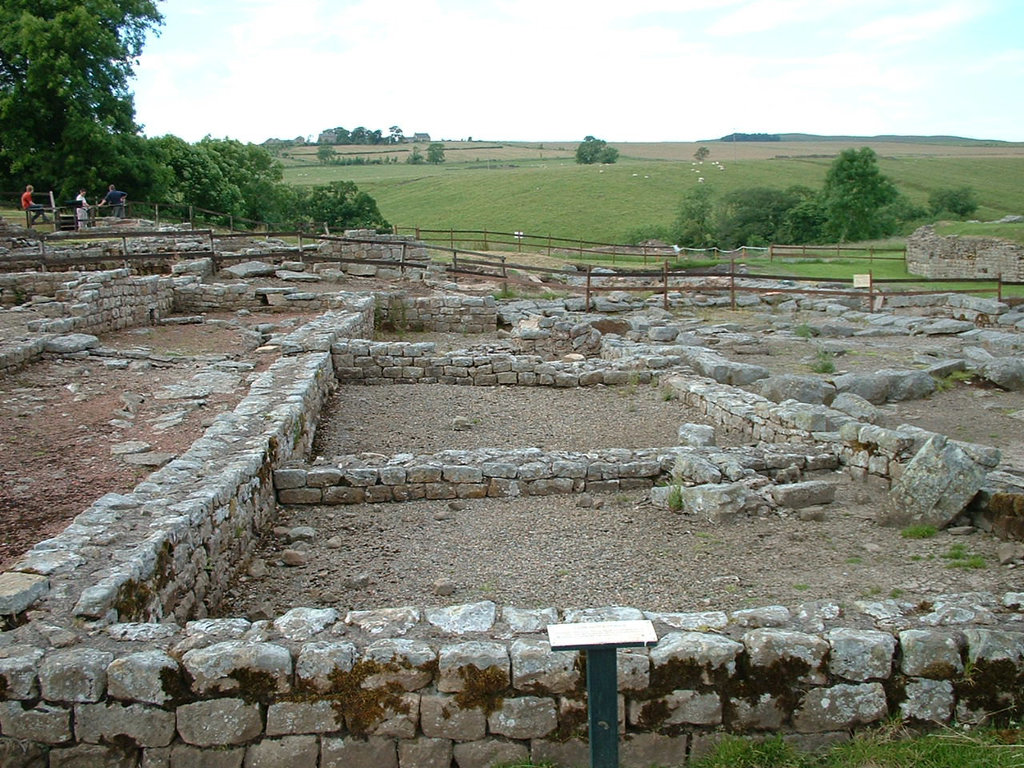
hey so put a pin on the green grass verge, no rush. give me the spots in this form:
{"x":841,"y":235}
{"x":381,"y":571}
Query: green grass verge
{"x":986,"y":748}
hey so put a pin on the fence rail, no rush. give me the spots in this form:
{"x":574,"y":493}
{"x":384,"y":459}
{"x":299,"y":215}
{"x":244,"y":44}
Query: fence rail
{"x":500,"y":267}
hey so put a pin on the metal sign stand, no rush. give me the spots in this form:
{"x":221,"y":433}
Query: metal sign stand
{"x":600,"y":640}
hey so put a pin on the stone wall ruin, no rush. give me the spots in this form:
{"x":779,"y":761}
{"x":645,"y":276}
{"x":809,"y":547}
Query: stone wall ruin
{"x":108,"y":657}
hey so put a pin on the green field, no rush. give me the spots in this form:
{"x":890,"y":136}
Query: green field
{"x":537,"y":188}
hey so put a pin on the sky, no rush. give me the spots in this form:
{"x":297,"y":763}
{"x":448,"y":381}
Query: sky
{"x":560,"y":70}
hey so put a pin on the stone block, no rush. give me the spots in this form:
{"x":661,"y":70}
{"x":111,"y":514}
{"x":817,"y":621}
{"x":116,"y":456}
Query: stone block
{"x":525,"y":717}
{"x":342,"y":494}
{"x":408,"y":663}
{"x":43,"y":723}
{"x":219,"y":722}
{"x":140,"y":677}
{"x":441,"y":717}
{"x":930,"y":653}
{"x":218,"y":667}
{"x":646,"y":749}
{"x":680,"y":707}
{"x":538,"y":669}
{"x":357,"y":753}
{"x":474,"y":665}
{"x":317,"y":662}
{"x":300,"y":496}
{"x":87,"y":755}
{"x":285,"y":479}
{"x":74,"y":675}
{"x":840,"y":707}
{"x":20,"y":590}
{"x":573,"y":753}
{"x":928,"y":701}
{"x":710,"y":658}
{"x":802,"y":654}
{"x":18,"y":671}
{"x":425,"y":753}
{"x":188,"y":756}
{"x":806,"y":494}
{"x":861,"y":655}
{"x":287,"y":752}
{"x":18,"y":754}
{"x":484,"y":754}
{"x":763,"y":712}
{"x":290,"y":718}
{"x":106,"y":722}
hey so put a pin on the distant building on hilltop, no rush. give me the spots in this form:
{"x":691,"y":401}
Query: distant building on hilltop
{"x":420,"y":137}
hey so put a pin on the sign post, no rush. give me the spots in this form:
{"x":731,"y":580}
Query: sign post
{"x":600,"y":640}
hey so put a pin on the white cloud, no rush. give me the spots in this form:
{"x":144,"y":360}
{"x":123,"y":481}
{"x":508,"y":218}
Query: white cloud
{"x":533,"y":69}
{"x":902,"y":29}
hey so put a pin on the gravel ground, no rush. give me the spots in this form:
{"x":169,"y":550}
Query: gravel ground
{"x":609,"y":549}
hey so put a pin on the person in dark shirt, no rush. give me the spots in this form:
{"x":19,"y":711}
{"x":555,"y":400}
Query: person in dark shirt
{"x":115,"y":199}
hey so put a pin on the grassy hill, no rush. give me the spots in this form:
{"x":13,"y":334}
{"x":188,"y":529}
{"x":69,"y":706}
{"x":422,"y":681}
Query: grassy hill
{"x":537,"y":187}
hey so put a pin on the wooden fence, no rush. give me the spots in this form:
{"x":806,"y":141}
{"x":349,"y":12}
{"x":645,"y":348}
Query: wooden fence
{"x":587,"y":280}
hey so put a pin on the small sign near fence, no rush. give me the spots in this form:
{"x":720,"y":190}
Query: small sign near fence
{"x":599,"y":640}
{"x":862,"y":281}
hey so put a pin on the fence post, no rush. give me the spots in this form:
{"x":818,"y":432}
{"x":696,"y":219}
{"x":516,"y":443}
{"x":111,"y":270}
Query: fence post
{"x":871,"y":291}
{"x":156,"y":214}
{"x":999,"y":287}
{"x":664,"y":277}
{"x":401,"y":267}
{"x":587,"y":305}
{"x":549,"y":244}
{"x":485,"y":241}
{"x":732,"y":284}
{"x":771,"y":253}
{"x":451,"y":238}
{"x":191,"y":217}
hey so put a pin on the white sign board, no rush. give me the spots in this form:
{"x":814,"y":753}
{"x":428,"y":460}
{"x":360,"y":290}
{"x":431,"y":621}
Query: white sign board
{"x":597,"y":634}
{"x":862,"y":281}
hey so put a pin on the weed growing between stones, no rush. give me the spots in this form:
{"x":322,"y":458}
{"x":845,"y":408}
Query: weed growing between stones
{"x":919,"y":532}
{"x":959,"y":557}
{"x":824,"y":362}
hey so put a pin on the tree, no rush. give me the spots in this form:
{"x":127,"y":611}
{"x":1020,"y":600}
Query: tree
{"x":961,"y":202}
{"x":435,"y":153}
{"x":415,"y":157}
{"x":855,"y":191}
{"x":701,"y":154}
{"x":592,"y":150}
{"x":340,"y":205}
{"x":66,"y":112}
{"x":756,"y":215}
{"x":395,"y":135}
{"x":693,"y":227}
{"x":224,"y":175}
{"x":324,"y":154}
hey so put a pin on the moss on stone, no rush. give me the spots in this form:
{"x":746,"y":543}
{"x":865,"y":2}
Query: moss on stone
{"x":995,"y":687}
{"x":484,"y":688}
{"x":255,"y":686}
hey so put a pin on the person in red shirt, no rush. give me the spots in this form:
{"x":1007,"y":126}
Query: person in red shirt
{"x":27,"y":205}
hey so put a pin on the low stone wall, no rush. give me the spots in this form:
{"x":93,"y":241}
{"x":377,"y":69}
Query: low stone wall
{"x":107,"y":301}
{"x":168,"y":548}
{"x":82,"y":302}
{"x":444,"y":313}
{"x":106,"y":659}
{"x":524,"y":472}
{"x":18,"y":287}
{"x":952,"y":258}
{"x":360,"y":361}
{"x":478,"y":684}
